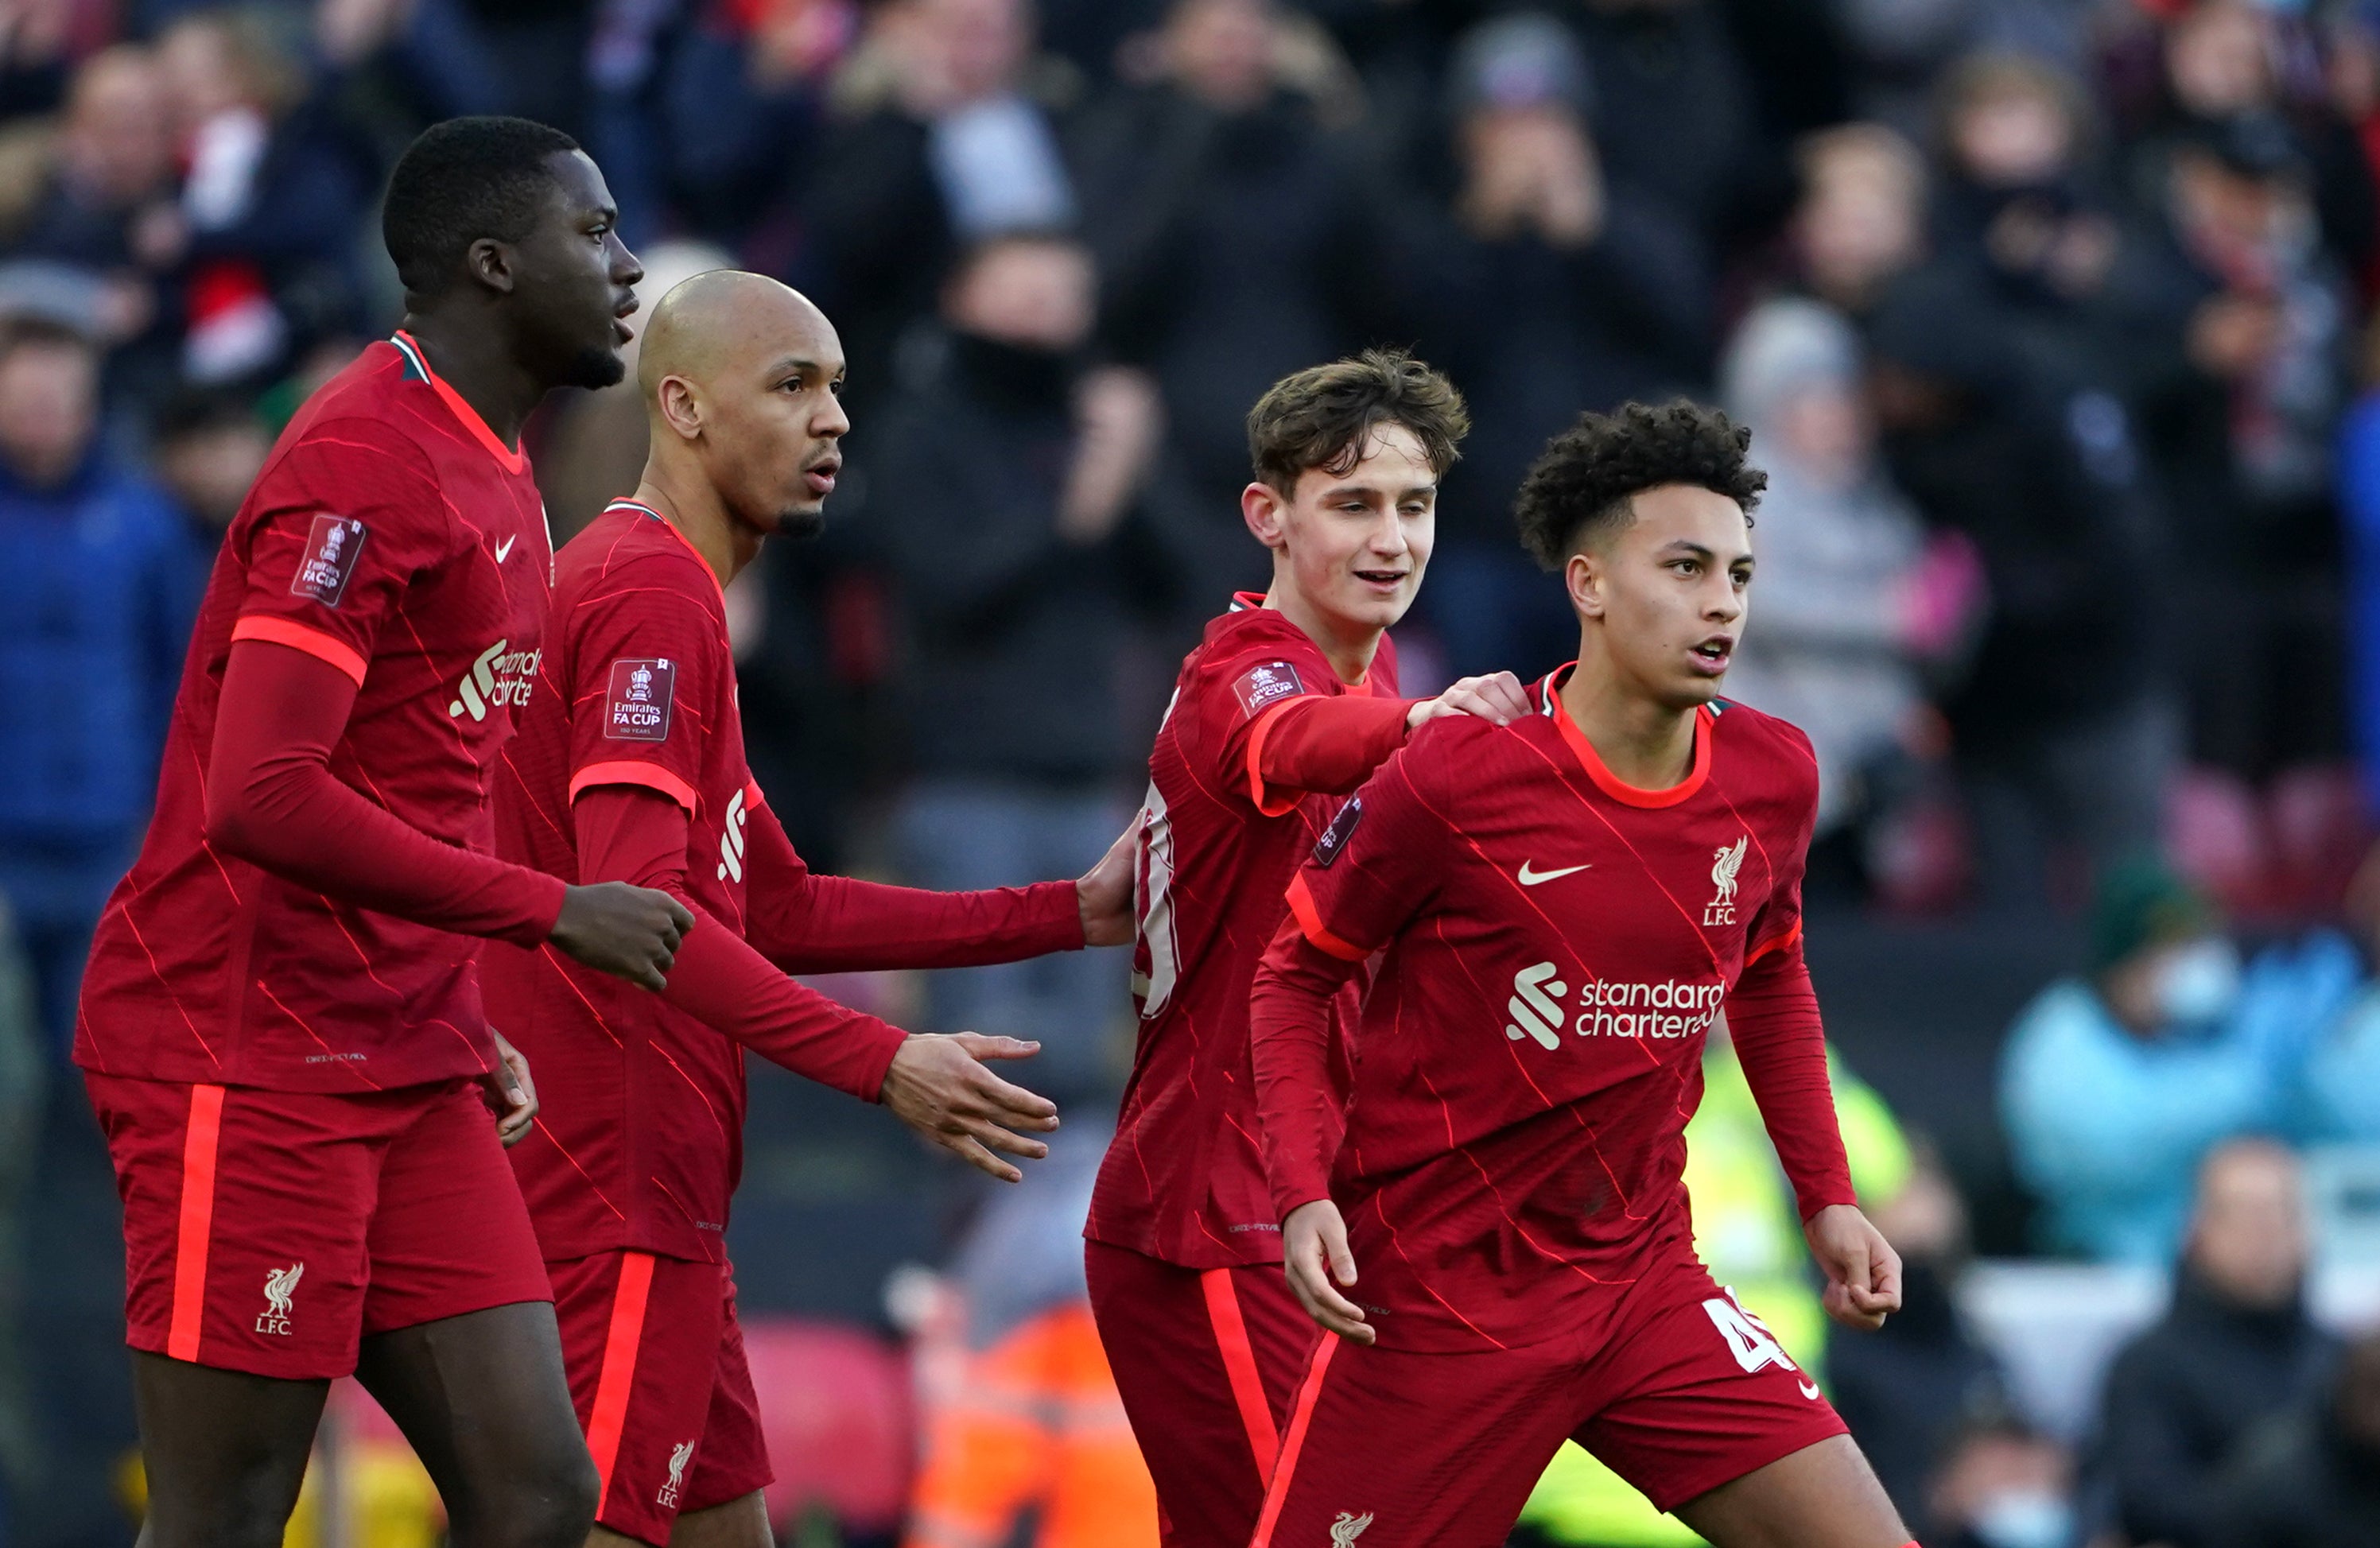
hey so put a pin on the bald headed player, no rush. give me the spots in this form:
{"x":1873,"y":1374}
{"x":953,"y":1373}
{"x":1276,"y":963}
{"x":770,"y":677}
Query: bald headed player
{"x":633,"y":767}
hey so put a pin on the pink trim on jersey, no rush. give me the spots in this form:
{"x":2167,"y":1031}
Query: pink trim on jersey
{"x":197,"y":1223}
{"x":1776,"y":943}
{"x":1612,"y":785}
{"x":300,"y":636}
{"x":1310,"y":919}
{"x":618,"y":1375}
{"x":629,"y":772}
{"x":512,"y":459}
{"x":1240,"y":1367}
{"x":1277,"y":1492}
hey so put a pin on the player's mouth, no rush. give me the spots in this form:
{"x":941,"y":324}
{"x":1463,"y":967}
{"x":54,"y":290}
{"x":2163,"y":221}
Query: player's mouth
{"x":819,"y":475}
{"x":1387,"y":583}
{"x":621,"y":331}
{"x":1711,"y":657}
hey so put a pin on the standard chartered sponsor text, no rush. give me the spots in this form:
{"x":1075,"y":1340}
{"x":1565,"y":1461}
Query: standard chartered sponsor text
{"x":1677,"y":1009}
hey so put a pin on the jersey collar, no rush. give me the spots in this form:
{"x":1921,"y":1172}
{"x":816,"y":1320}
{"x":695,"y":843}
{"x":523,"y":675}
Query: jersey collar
{"x":417,"y":368}
{"x":1254,"y":601}
{"x":639,"y":506}
{"x":1605,"y":780}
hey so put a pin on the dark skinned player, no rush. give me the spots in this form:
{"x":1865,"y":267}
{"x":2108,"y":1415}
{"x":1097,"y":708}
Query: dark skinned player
{"x":282,"y":1030}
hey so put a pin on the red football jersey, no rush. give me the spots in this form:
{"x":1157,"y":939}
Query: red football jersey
{"x":1184,"y":1180}
{"x":1557,"y":943}
{"x":640,"y":1135}
{"x":392,"y":535}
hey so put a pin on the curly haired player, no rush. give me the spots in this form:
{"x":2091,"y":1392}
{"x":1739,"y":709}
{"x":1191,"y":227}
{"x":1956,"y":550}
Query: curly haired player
{"x":1562,"y":907}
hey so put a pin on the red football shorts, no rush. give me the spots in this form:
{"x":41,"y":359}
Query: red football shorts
{"x":270,"y":1231}
{"x":1207,"y":1361}
{"x":1685,"y":1393}
{"x":659,"y":1378}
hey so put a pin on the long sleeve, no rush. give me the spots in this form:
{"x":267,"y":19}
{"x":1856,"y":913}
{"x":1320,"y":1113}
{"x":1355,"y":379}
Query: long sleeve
{"x":807,"y":923}
{"x":1772,"y":1013}
{"x":1289,"y":1035}
{"x":630,"y":833}
{"x":271,"y":800}
{"x":1316,"y":743}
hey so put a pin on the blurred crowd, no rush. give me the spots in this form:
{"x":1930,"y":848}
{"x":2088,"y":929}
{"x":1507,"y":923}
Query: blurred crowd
{"x":2052,"y":319}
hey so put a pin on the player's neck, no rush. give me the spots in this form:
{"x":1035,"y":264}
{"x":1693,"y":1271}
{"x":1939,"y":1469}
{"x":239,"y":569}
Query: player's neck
{"x":690,"y":504}
{"x":475,"y":358}
{"x":1349,"y":648}
{"x":1643,"y":741}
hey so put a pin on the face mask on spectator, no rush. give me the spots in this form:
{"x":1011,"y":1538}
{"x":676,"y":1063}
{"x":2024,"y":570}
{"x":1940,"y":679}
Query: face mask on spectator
{"x":2024,"y":1518}
{"x":2199,"y":981}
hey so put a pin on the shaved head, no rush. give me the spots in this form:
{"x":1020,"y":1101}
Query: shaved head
{"x":740,"y":376}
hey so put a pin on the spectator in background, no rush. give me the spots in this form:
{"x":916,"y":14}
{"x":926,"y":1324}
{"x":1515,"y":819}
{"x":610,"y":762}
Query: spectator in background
{"x":273,"y":202}
{"x":1856,"y":600}
{"x":2312,"y":1480}
{"x":1861,"y":219}
{"x":208,"y":447}
{"x":106,"y":205}
{"x":1236,"y":243}
{"x":2114,"y":1085}
{"x":98,"y":586}
{"x":1000,"y":488}
{"x":952,"y":134}
{"x":2012,"y":194}
{"x":2234,"y":1350}
{"x":2237,"y":327}
{"x":2063,"y":728}
{"x":2001,"y":1485}
{"x":1910,"y":1394}
{"x":1674,"y":112}
{"x":1546,"y":291}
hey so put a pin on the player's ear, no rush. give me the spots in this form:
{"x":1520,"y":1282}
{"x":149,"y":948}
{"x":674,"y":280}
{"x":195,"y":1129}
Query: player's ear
{"x":1263,"y":508}
{"x":681,"y":406}
{"x":1583,"y":577}
{"x":490,"y":262}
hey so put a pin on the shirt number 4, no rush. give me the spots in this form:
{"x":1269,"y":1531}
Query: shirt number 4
{"x":1747,"y":1336}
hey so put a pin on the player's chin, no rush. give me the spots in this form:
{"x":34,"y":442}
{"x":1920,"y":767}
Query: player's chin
{"x":1374,"y":606}
{"x":596,"y":368}
{"x":806,"y":519}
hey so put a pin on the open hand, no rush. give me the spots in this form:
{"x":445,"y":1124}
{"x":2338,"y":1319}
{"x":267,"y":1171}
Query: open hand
{"x":629,"y":931}
{"x":1496,"y":699}
{"x":511,"y":1095}
{"x":1105,"y":891}
{"x":938,"y":1085}
{"x":1314,"y":1253}
{"x":1863,"y":1271}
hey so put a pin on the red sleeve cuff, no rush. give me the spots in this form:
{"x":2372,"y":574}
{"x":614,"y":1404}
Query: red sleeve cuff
{"x":302,"y":636}
{"x":1309,"y":921}
{"x":632,"y":771}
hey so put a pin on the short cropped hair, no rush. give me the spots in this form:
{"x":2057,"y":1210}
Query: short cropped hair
{"x":1581,"y":484}
{"x":462,"y":180}
{"x":1324,"y":416}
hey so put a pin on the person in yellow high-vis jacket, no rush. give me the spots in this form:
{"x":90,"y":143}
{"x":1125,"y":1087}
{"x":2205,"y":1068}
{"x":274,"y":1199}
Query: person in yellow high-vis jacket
{"x":1747,"y":1230}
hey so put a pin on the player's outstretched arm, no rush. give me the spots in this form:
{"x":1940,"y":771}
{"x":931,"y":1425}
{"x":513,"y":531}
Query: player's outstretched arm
{"x":807,"y":923}
{"x":272,"y":800}
{"x":1329,"y":743}
{"x":939,"y":1085}
{"x":936,"y":1085}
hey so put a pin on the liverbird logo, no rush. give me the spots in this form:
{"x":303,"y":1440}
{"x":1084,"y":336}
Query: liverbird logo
{"x":280,"y":1284}
{"x":678,"y":1455}
{"x":1725,"y":862}
{"x":1348,"y":1528}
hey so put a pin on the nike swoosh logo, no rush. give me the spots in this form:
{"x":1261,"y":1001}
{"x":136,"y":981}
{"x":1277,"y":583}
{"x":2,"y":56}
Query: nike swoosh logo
{"x":1810,"y":1390}
{"x":505,"y":549}
{"x":1531,"y":879}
